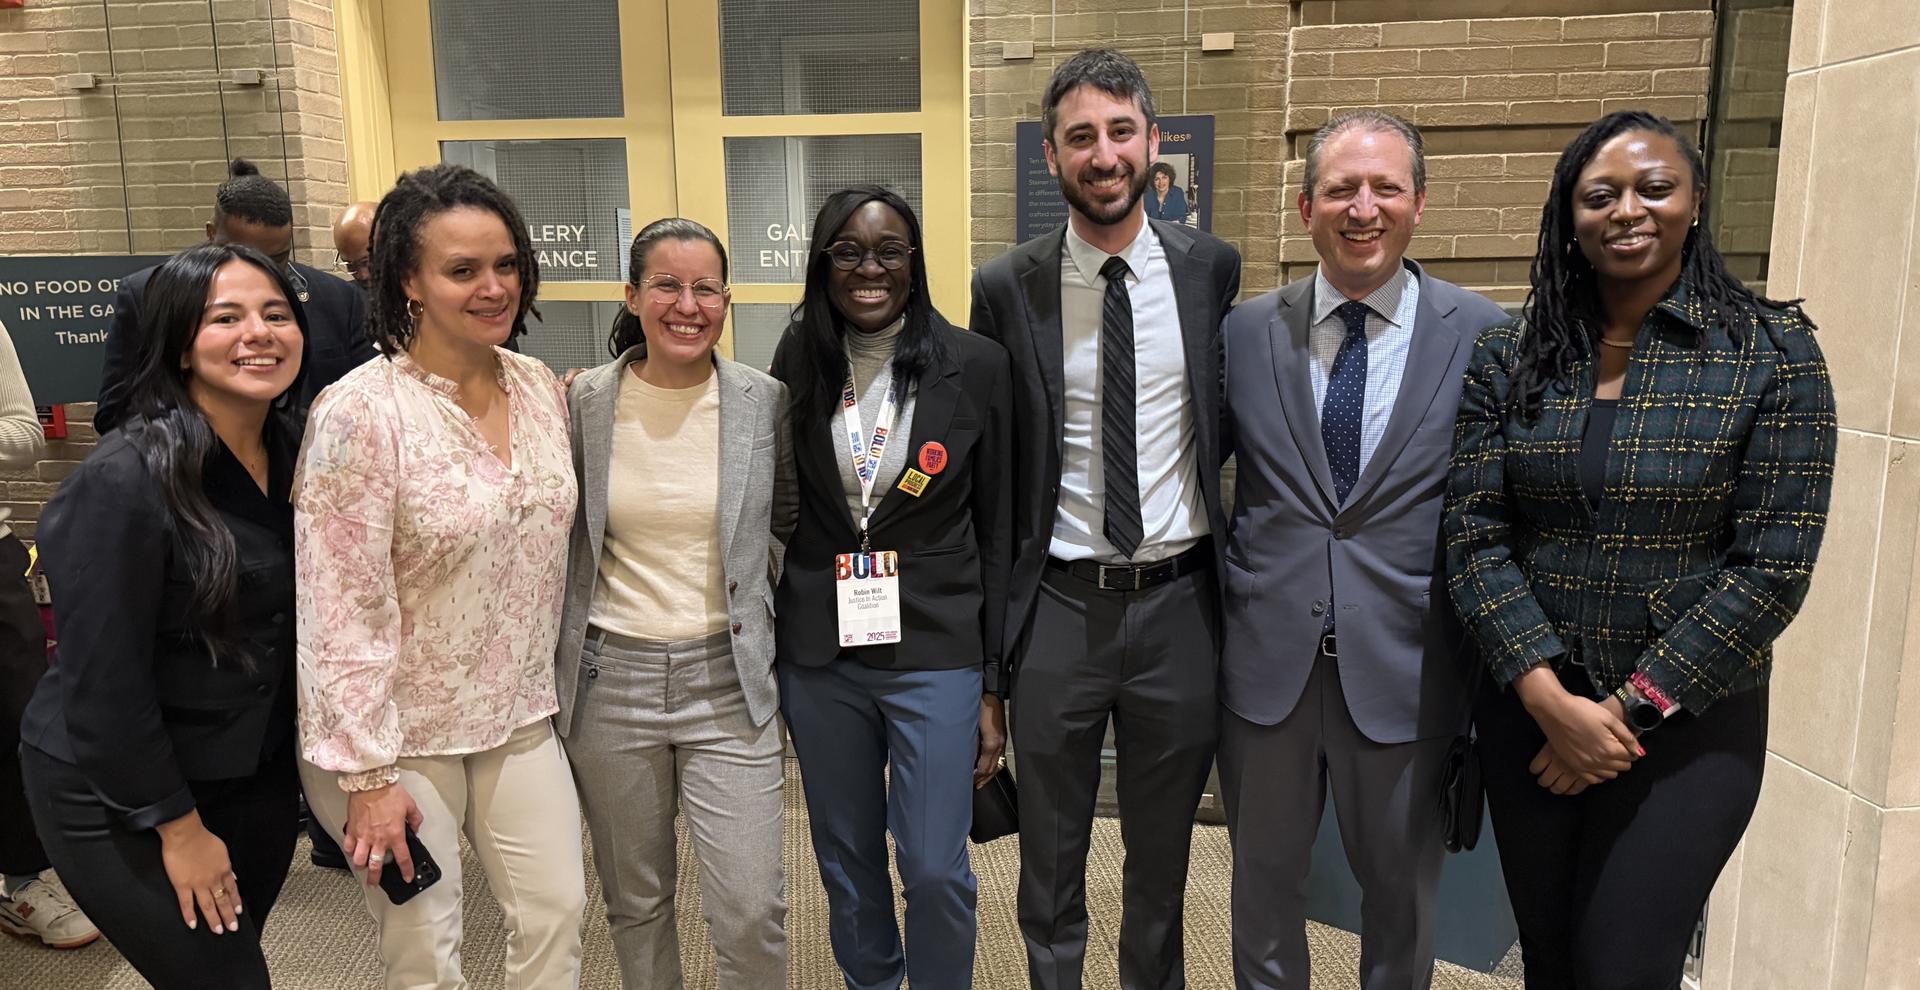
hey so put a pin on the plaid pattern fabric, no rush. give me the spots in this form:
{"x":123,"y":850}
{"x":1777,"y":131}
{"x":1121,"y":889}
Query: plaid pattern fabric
{"x":1716,"y":497}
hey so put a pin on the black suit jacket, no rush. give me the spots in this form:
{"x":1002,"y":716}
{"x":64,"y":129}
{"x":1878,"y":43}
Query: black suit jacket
{"x":133,"y":699}
{"x":336,"y":324}
{"x":1016,"y":301}
{"x":955,"y":539}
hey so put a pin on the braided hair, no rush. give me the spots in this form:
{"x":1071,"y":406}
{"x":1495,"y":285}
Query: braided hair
{"x":252,"y":197}
{"x":416,"y":198}
{"x":1563,"y":315}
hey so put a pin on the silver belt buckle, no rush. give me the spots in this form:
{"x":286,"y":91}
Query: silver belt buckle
{"x":1328,"y":645}
{"x":1133,"y":578}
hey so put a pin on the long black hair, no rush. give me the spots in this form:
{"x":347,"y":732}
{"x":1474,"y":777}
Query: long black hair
{"x":416,"y":198}
{"x":1563,"y":315}
{"x":176,"y":442}
{"x":626,"y":326}
{"x":817,"y":331}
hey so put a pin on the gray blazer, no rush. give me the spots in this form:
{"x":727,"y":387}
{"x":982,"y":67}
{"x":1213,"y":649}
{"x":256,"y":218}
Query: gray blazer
{"x":758,"y":505}
{"x":1291,"y":550}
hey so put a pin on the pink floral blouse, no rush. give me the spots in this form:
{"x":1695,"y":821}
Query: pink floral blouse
{"x":430,"y":574}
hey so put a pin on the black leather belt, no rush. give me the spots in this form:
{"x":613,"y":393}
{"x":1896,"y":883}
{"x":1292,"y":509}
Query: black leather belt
{"x":1137,"y":577}
{"x":1329,"y":646}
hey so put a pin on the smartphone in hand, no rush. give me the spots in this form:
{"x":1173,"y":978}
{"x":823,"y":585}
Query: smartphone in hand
{"x":425,"y":872}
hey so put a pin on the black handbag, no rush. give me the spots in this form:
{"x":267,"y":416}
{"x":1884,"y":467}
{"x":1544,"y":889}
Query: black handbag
{"x":1462,"y":801}
{"x":996,"y":808}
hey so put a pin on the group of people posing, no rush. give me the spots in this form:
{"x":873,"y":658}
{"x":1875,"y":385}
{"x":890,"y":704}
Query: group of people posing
{"x":474,"y":601}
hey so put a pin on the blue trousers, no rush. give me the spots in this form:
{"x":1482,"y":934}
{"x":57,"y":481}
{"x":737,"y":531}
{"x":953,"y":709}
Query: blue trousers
{"x":880,"y":751}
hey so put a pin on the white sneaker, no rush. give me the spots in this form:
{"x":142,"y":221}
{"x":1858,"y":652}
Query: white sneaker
{"x":44,"y":910}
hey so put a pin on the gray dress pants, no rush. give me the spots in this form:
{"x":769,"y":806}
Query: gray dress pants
{"x":659,"y":727}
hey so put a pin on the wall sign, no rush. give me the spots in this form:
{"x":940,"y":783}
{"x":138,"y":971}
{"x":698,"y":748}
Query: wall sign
{"x":57,"y":309}
{"x":1186,"y":147}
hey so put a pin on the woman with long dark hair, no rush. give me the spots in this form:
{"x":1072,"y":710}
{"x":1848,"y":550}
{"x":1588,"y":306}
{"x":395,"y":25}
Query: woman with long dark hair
{"x":894,"y":592}
{"x":1639,"y":486}
{"x":434,"y":498}
{"x":159,"y":749}
{"x":665,"y":663}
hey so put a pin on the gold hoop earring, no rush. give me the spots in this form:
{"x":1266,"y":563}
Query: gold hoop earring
{"x":415,"y":311}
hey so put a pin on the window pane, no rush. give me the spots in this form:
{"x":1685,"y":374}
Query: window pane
{"x":756,"y":331}
{"x":497,"y":60}
{"x":573,"y":195}
{"x":776,"y":184}
{"x":569,"y":334}
{"x":819,"y":56}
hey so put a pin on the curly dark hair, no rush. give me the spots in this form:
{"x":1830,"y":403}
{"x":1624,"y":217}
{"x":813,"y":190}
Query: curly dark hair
{"x":1162,"y":168}
{"x":416,"y":198}
{"x":252,"y":197}
{"x":626,"y":330}
{"x":1104,"y":69}
{"x":1563,"y":315}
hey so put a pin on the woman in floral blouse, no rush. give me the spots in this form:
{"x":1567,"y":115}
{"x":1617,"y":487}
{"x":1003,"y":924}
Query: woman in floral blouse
{"x":433,"y":504}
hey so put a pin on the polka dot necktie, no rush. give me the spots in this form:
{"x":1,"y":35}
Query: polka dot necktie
{"x":1119,"y":461}
{"x":1346,"y":397}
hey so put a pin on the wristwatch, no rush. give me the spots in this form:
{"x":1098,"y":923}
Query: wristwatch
{"x":1642,"y":714}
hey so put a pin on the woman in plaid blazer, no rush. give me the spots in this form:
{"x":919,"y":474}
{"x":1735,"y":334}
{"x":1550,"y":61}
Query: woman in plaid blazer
{"x":1639,"y":485}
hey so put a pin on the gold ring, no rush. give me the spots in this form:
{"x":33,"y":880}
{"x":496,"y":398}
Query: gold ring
{"x":219,"y":892}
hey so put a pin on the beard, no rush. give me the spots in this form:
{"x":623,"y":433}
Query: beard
{"x":1109,"y":212}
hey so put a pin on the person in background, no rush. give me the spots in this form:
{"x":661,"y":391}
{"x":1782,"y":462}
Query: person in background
{"x":1340,"y":668}
{"x":1166,"y":200}
{"x":1640,"y":479}
{"x":433,"y":503}
{"x":158,"y":749}
{"x":34,"y":904}
{"x":665,"y":663}
{"x":353,"y":242}
{"x":1112,"y":324}
{"x":253,"y":210}
{"x":902,"y":428}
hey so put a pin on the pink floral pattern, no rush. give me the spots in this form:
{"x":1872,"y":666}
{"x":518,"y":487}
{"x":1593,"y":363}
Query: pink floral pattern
{"x":431,"y":575}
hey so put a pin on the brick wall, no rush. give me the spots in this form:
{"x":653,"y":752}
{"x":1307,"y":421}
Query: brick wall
{"x":1749,"y":99}
{"x":131,"y":166}
{"x":1497,"y":86}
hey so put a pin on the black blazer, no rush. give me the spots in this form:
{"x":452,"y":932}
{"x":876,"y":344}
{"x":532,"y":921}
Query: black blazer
{"x":132,"y":699}
{"x":1016,"y":301}
{"x":336,"y":325}
{"x":955,"y":539}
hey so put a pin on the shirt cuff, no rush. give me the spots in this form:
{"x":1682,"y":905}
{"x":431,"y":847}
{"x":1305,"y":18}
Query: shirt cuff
{"x":369,"y":780}
{"x":160,"y":812}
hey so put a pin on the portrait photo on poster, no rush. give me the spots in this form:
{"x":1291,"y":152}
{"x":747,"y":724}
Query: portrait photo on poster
{"x":1178,"y":187}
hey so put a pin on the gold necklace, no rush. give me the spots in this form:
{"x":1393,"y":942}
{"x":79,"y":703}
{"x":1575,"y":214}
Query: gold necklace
{"x":1623,"y":345}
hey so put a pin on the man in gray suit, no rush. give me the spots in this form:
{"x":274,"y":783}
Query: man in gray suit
{"x":1340,"y":664}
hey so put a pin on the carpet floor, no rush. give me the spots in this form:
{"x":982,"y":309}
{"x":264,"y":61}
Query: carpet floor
{"x":319,"y":937}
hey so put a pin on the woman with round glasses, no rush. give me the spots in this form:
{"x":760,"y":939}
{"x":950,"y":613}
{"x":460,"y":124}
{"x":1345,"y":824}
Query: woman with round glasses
{"x":665,"y":661}
{"x":891,"y":603}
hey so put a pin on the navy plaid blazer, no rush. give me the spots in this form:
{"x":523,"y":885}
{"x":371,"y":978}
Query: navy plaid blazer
{"x":1716,"y":486}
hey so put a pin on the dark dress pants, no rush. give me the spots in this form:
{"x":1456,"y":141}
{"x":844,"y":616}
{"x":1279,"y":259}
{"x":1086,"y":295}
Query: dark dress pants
{"x":1386,"y":799}
{"x":1149,"y":660}
{"x":23,"y":659}
{"x":890,"y":751}
{"x":1607,"y":884}
{"x":116,"y":875}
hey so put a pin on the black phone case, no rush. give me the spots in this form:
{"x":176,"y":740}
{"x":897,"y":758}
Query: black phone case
{"x":425,"y":872}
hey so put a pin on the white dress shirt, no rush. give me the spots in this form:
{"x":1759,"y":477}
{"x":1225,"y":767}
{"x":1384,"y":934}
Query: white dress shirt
{"x":1390,"y":314}
{"x":1171,"y":515}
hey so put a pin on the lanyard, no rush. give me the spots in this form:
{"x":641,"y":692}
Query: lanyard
{"x":866,"y":450}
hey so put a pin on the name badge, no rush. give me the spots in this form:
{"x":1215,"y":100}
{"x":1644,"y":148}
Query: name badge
{"x":867,"y":586}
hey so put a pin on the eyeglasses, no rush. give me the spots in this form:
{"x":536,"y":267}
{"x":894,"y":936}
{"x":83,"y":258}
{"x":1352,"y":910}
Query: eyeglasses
{"x":354,"y":268}
{"x":847,"y":255}
{"x":708,"y":293}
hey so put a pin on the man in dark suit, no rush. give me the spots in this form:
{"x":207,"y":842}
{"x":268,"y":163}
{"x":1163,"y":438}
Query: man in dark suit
{"x":1341,"y":664}
{"x":1112,"y":324}
{"x":249,"y":209}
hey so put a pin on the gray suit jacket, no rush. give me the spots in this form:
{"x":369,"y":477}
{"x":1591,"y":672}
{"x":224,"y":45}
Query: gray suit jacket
{"x":758,"y":505}
{"x":1291,"y":549}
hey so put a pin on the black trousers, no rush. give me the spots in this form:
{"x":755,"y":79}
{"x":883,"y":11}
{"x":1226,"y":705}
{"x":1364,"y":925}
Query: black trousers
{"x":116,"y":875}
{"x":1149,"y":660}
{"x":1607,"y":885}
{"x":23,"y":660}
